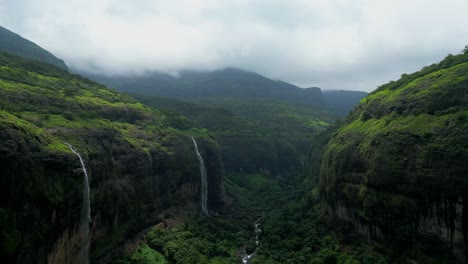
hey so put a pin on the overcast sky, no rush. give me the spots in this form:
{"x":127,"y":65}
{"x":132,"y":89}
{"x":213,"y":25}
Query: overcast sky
{"x":332,"y":44}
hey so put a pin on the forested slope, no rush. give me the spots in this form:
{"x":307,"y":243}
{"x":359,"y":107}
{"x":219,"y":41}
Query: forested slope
{"x":396,"y":170}
{"x":138,"y":164}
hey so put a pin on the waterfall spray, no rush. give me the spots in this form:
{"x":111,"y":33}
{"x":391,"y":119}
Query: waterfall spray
{"x":204,"y":181}
{"x":85,"y":212}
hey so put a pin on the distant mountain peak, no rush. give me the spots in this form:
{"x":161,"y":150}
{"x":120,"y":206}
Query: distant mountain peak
{"x":313,"y":88}
{"x":229,"y":82}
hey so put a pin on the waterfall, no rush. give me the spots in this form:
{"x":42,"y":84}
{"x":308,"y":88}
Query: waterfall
{"x":85,"y":212}
{"x":204,"y":181}
{"x":247,"y":257}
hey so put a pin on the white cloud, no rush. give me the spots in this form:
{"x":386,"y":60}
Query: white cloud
{"x":333,"y":44}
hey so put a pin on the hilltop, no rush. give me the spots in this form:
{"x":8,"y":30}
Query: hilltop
{"x":15,"y":44}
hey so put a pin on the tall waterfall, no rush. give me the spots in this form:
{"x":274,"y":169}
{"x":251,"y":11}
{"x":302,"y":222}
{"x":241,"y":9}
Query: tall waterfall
{"x":204,"y":181}
{"x":85,"y":213}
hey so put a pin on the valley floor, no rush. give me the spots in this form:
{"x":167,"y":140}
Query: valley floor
{"x":291,"y":230}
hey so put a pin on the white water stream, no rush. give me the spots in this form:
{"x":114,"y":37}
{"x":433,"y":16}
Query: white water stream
{"x":204,"y":181}
{"x":85,"y":212}
{"x":246,"y":258}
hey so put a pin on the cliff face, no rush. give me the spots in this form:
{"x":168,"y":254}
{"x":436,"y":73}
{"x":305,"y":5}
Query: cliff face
{"x":138,"y":164}
{"x":396,"y":170}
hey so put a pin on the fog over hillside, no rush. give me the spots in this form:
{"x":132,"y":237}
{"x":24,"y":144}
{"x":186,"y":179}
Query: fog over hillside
{"x":355,"y":45}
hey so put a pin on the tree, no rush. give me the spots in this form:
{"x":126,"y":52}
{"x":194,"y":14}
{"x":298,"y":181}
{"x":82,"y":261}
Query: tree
{"x":465,"y":50}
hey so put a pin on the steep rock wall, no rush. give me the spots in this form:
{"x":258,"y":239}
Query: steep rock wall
{"x":138,"y":165}
{"x":396,"y":170}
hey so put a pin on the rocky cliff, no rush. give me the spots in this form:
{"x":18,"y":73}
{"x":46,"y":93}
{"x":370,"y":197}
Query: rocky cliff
{"x":396,"y":171}
{"x":138,"y":164}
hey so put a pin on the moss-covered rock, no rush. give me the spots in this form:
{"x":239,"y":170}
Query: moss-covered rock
{"x":397,"y":168}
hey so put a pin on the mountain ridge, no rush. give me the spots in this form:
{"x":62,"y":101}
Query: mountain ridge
{"x":11,"y":42}
{"x":228,"y":82}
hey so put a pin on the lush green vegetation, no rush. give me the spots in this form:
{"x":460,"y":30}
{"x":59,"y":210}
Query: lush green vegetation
{"x":196,"y":240}
{"x":399,"y":163}
{"x":225,"y":83}
{"x":255,"y":135}
{"x":15,"y":44}
{"x":393,"y":173}
{"x":263,"y":126}
{"x":295,"y":228}
{"x":138,"y":161}
{"x":295,"y":234}
{"x":193,"y":238}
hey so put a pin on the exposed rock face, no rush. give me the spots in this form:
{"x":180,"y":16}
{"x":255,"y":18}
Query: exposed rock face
{"x":397,"y":169}
{"x":137,"y":164}
{"x":214,"y":168}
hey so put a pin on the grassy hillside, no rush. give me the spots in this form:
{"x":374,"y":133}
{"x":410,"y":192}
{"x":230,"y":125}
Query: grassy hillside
{"x":13,"y":43}
{"x":138,"y":162}
{"x":396,"y":170}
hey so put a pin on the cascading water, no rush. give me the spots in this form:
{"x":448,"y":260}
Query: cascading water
{"x":247,"y":257}
{"x":204,"y":181}
{"x":85,"y":212}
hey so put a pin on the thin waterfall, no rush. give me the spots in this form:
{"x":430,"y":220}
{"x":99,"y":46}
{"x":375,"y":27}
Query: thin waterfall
{"x":85,"y":212}
{"x":204,"y":181}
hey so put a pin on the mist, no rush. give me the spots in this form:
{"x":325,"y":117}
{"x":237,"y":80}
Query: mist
{"x":352,"y":45}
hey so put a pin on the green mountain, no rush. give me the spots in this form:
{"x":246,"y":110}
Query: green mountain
{"x":143,"y":171}
{"x":264,"y":136}
{"x":263,"y":125}
{"x":396,"y":172}
{"x":87,"y":172}
{"x":138,"y":163}
{"x":13,"y":43}
{"x":225,"y":83}
{"x":208,"y":88}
